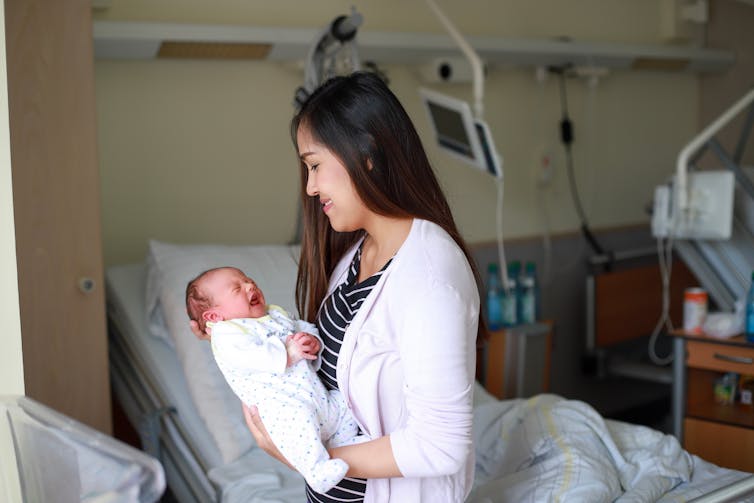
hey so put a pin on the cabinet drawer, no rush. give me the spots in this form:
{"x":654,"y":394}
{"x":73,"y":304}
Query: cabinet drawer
{"x":720,"y":357}
{"x":722,"y":444}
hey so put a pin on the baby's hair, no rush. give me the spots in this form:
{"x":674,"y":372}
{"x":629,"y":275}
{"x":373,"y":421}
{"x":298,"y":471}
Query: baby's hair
{"x":197,"y":301}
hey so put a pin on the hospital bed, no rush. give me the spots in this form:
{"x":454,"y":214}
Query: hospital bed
{"x":544,"y":448}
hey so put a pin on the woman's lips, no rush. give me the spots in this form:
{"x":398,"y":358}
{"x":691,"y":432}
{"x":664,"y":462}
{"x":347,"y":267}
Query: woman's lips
{"x":326,"y":205}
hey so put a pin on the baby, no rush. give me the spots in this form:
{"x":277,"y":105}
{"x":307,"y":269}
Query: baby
{"x":266,"y":357}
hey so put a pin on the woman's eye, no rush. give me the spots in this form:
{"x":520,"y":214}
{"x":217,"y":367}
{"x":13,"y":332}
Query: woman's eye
{"x":313,"y":167}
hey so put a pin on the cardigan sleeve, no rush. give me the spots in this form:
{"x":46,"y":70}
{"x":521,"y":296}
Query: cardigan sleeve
{"x":437,"y":347}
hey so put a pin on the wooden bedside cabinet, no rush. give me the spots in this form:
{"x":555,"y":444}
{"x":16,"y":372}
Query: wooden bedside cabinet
{"x":515,"y":362}
{"x":720,"y":433}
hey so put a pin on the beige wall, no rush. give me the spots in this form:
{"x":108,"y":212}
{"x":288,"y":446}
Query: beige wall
{"x":199,"y":150}
{"x":730,"y":28}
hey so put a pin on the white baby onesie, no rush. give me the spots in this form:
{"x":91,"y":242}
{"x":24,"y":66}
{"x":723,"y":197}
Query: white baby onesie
{"x":299,"y":413}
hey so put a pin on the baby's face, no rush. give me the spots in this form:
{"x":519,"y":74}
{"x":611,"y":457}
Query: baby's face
{"x":235,"y":295}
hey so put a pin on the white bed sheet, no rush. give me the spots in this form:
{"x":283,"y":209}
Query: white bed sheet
{"x":547,"y":448}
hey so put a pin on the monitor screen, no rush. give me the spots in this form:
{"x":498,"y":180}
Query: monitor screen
{"x":450,"y":128}
{"x":459,"y":134}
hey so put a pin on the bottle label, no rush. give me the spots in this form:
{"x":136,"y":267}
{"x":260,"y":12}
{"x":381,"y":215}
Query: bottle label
{"x":509,"y":310}
{"x":527,"y":308}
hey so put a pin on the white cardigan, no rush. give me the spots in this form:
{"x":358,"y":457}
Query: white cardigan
{"x":407,"y":365}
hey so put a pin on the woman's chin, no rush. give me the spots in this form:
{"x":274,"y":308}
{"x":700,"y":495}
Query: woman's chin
{"x":340,"y":227}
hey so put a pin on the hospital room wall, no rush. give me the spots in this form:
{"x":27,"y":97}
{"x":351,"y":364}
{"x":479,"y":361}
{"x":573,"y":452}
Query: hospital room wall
{"x":730,"y":29}
{"x":199,"y":150}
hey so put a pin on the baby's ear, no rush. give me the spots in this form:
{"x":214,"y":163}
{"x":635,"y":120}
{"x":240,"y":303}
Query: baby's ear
{"x":212,"y":315}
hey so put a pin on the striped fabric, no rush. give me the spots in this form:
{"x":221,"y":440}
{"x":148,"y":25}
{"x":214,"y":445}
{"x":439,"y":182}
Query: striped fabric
{"x":337,"y":312}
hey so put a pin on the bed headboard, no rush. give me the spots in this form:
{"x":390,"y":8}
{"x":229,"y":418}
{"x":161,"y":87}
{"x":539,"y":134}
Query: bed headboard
{"x":626,"y":303}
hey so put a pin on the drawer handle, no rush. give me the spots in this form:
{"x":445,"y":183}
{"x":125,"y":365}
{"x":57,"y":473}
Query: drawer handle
{"x":735,"y":359}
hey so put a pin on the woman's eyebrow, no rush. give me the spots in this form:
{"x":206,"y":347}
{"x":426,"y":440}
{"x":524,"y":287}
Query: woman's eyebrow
{"x":304,"y":155}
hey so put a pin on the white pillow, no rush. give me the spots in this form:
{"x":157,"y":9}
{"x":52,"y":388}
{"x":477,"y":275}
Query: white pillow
{"x":169,"y":269}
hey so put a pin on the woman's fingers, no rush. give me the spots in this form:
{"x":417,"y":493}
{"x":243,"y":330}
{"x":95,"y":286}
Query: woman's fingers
{"x":205,"y":336}
{"x":255,"y":425}
{"x":249,"y":417}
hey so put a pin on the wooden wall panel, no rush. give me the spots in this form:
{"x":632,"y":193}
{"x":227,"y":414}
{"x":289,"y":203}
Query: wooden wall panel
{"x":57,"y":206}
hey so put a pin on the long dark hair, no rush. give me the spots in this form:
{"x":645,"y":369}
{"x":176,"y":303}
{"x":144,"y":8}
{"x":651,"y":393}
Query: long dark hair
{"x":361,"y":121}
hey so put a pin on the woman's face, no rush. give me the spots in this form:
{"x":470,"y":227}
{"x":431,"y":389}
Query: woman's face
{"x":328,"y":180}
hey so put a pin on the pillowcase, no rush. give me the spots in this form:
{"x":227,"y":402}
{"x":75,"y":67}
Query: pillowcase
{"x":169,"y":269}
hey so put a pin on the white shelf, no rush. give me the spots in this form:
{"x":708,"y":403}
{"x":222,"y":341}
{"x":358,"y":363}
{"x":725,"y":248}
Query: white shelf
{"x":140,"y":40}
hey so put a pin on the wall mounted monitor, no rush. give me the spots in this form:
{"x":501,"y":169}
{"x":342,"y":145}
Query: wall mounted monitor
{"x":459,"y":134}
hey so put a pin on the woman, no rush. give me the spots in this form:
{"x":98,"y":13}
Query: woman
{"x":387,"y":278}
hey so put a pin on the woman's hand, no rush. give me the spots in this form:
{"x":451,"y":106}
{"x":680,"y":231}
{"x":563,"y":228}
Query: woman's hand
{"x":254,"y":423}
{"x":205,"y":336}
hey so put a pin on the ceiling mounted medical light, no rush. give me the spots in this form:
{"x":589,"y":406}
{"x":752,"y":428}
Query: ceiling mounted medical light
{"x":334,"y":52}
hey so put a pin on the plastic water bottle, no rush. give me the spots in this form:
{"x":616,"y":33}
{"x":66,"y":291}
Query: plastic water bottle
{"x":529,"y":294}
{"x":494,"y":298}
{"x":531,"y":267}
{"x":511,"y":295}
{"x":749,"y":328}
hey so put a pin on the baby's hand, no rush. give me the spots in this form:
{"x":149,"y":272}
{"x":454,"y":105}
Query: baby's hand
{"x":301,"y":346}
{"x":308,"y":344}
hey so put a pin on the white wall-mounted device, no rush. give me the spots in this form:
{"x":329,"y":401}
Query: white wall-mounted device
{"x":459,"y":134}
{"x":701,"y":204}
{"x":710,"y":207}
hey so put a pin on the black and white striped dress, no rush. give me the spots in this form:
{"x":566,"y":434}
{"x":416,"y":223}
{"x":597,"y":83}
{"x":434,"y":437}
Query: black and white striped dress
{"x":337,"y":312}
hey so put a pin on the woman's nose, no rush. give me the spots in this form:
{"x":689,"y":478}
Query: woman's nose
{"x":311,"y":189}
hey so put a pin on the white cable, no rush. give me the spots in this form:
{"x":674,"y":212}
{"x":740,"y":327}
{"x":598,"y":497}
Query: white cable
{"x":500,"y":248}
{"x":665,"y":259}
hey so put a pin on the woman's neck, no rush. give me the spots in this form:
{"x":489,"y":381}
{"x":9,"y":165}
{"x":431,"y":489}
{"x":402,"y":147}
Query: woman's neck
{"x":384,"y":239}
